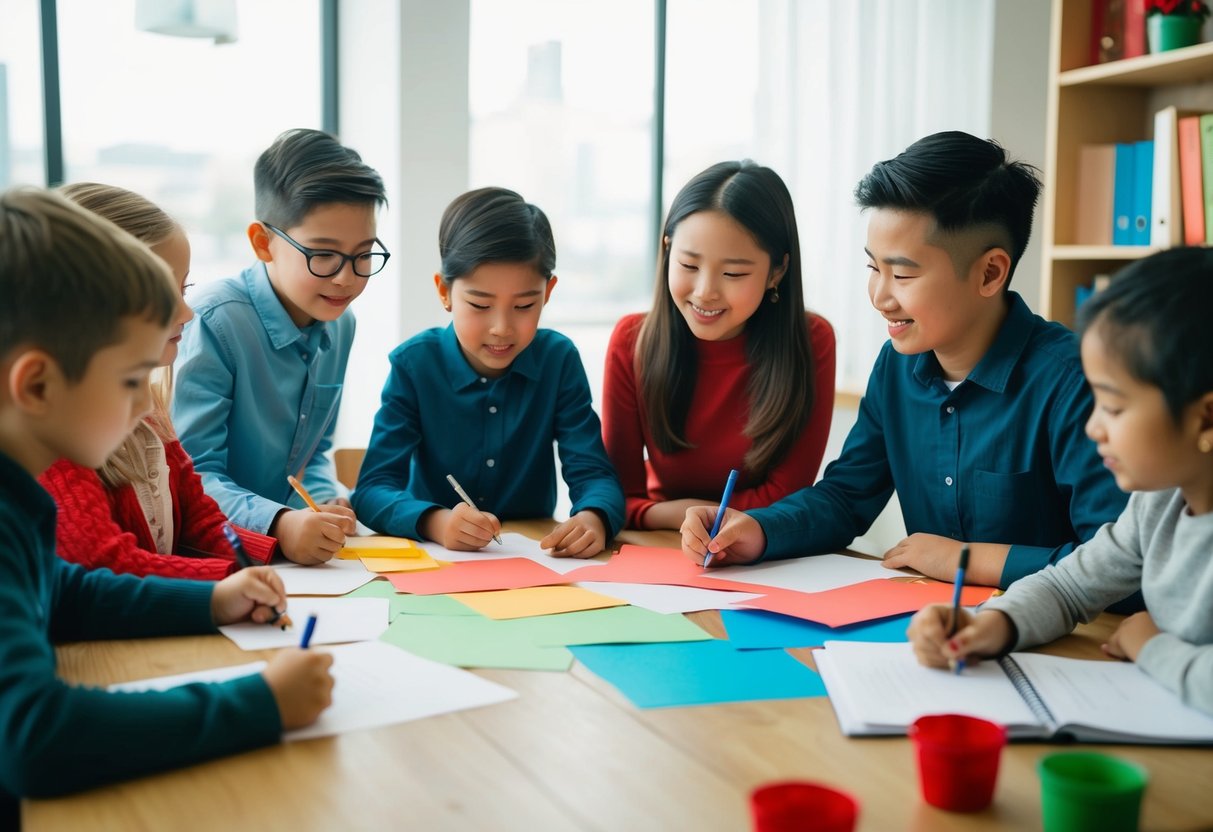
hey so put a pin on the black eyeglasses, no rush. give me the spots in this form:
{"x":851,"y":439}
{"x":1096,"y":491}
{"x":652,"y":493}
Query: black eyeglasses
{"x":324,"y":263}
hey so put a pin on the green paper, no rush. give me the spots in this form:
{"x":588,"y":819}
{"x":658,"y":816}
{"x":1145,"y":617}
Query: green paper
{"x":473,"y":641}
{"x":613,"y":625}
{"x":402,"y":602}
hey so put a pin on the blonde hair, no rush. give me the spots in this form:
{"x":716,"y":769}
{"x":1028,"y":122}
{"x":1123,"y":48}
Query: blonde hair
{"x":144,"y":220}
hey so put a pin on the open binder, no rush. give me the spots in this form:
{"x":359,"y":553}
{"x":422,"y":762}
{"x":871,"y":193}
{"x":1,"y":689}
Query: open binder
{"x":879,"y":689}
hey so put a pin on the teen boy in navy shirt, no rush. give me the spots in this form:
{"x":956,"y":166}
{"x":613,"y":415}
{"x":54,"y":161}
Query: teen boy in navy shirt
{"x":975,"y":409}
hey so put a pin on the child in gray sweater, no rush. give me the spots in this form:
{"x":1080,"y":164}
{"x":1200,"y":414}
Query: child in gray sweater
{"x":1148,"y":355}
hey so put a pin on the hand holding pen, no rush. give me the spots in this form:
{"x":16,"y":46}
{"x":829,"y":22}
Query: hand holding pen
{"x":254,"y":594}
{"x":467,"y":524}
{"x":958,"y":665}
{"x":724,"y":507}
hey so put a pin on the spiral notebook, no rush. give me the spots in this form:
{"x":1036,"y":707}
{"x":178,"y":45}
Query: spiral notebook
{"x":879,"y":689}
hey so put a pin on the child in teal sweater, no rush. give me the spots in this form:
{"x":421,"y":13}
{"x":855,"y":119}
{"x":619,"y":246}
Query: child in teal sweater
{"x":86,"y":317}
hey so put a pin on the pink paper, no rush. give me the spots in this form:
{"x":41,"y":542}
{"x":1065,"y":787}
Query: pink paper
{"x":479,"y":576}
{"x":865,"y":601}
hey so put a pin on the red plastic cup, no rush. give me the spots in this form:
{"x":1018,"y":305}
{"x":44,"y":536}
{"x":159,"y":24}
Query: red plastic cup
{"x":804,"y":807}
{"x":958,"y":760}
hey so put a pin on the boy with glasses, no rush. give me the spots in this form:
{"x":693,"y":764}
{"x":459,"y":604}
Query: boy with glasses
{"x":262,"y":363}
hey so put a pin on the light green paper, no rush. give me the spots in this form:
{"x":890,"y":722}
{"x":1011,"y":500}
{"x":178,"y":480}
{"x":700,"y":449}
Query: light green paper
{"x":473,"y":641}
{"x":403,"y":602}
{"x":613,"y":625}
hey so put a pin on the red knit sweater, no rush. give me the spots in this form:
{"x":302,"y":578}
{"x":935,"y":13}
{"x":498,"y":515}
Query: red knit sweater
{"x":102,"y":527}
{"x":718,"y":414}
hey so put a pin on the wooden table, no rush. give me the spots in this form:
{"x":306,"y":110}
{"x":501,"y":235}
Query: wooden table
{"x":569,"y":753}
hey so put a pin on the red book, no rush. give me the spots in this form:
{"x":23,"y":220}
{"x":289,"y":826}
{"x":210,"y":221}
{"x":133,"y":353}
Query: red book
{"x":1135,"y":28}
{"x":1107,"y":30}
{"x":1191,"y":181}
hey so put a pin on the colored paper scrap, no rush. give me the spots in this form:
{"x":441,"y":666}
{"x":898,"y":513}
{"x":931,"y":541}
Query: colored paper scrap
{"x":473,"y":641}
{"x":699,"y":673}
{"x":644,"y":565}
{"x":759,"y":629}
{"x":866,"y":601}
{"x":666,"y":598}
{"x":401,"y":603}
{"x":477,"y":576}
{"x":419,"y":563}
{"x":816,"y":573}
{"x":513,"y":545}
{"x":535,"y":600}
{"x":614,"y":625}
{"x":379,"y":546}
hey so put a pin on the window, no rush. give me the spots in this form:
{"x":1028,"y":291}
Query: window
{"x":21,"y":138}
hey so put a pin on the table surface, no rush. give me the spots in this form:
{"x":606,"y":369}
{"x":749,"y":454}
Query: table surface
{"x":569,"y":753}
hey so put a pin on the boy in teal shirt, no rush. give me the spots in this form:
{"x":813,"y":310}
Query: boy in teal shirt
{"x":975,"y":409}
{"x":86,"y":316}
{"x":261,"y":366}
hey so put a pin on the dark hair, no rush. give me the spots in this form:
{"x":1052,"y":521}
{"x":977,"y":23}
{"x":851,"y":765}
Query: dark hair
{"x":777,"y":342}
{"x":1154,"y":317}
{"x":69,"y":278}
{"x":494,"y":225}
{"x":964,"y":183}
{"x":306,"y":168}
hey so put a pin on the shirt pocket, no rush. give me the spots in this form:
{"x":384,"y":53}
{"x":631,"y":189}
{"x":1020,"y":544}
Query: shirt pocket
{"x":1019,"y":489}
{"x":316,"y":414}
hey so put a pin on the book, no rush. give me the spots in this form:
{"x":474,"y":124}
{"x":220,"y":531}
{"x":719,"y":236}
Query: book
{"x":1191,"y":181}
{"x":1123,"y":185}
{"x":1143,"y":191}
{"x":1093,"y":195}
{"x":880,"y":689}
{"x":1206,"y":164}
{"x":1135,"y":29}
{"x":1107,"y":31}
{"x":1166,"y":225}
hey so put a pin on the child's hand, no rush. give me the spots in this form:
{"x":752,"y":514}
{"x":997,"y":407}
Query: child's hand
{"x":932,"y":555}
{"x":309,"y":537}
{"x":301,"y":684}
{"x":581,"y":536}
{"x":462,"y":528}
{"x":740,"y":539}
{"x":980,"y":636}
{"x":1132,"y":634}
{"x":253,"y":594}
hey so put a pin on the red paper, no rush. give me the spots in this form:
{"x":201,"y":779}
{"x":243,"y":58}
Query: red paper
{"x":478,"y":576}
{"x":643,"y":565}
{"x":865,"y":601}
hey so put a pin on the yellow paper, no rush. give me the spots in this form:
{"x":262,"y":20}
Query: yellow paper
{"x":536,"y":600}
{"x":380,"y":546}
{"x":410,"y":564}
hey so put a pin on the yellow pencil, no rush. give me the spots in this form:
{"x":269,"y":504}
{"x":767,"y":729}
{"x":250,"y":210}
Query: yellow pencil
{"x":302,"y":492}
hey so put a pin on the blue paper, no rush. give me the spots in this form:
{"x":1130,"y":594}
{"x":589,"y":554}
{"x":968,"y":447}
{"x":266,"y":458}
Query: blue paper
{"x":750,"y":629}
{"x":698,"y":673}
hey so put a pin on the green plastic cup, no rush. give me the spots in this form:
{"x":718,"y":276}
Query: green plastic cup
{"x":1083,"y":791}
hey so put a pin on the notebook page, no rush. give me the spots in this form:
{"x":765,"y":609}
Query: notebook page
{"x":1115,"y":699}
{"x":885,"y":687}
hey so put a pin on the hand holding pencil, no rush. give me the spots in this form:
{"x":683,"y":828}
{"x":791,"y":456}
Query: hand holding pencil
{"x":314,"y":534}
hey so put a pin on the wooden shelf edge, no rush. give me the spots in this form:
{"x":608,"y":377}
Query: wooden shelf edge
{"x":1100,"y":252}
{"x":1175,"y":66}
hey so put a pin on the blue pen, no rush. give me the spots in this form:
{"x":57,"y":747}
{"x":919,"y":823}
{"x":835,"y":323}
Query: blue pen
{"x":959,"y":664}
{"x":724,"y":504}
{"x":242,"y":556}
{"x":307,"y":631}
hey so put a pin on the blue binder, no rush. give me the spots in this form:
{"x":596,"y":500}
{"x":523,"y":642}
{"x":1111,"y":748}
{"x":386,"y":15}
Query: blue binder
{"x":1143,"y":191}
{"x":1123,"y":194}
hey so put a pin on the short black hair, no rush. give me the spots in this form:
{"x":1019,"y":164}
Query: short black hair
{"x":1154,"y":317}
{"x":494,"y":225}
{"x":963,"y":182}
{"x":305,"y":168}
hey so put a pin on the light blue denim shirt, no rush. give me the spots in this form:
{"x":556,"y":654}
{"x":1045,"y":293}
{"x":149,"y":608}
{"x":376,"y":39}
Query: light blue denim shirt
{"x":256,"y":398}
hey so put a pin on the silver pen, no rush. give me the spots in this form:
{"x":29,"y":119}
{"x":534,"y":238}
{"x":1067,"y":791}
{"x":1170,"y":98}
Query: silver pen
{"x":463,"y":495}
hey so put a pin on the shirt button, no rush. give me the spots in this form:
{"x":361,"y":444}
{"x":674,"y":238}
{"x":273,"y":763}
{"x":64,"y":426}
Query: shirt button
{"x":483,"y":380}
{"x":490,"y":462}
{"x":493,"y":408}
{"x":948,"y":480}
{"x":302,"y":417}
{"x":305,"y":356}
{"x":951,"y":409}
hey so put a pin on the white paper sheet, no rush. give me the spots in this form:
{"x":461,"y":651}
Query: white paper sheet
{"x":809,"y":574}
{"x":376,"y":685}
{"x":337,"y":577}
{"x":514,"y":545}
{"x":338,"y":620}
{"x":669,"y":599}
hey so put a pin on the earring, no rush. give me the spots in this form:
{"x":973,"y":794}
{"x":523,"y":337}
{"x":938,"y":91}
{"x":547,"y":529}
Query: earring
{"x":774,"y":294}
{"x":1205,"y":444}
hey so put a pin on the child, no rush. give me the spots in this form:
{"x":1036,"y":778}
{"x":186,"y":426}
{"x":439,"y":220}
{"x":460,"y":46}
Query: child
{"x":144,"y":511}
{"x":974,"y":410}
{"x":262,"y":364}
{"x":1147,"y":353}
{"x":727,"y":370}
{"x":484,"y":399}
{"x":86,"y":315}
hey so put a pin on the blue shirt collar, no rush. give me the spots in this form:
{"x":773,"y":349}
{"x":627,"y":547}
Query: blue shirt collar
{"x":994,"y":369}
{"x":274,"y":317}
{"x":461,"y":373}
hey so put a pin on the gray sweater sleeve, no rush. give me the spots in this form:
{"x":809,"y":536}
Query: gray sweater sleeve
{"x":1186,"y":669}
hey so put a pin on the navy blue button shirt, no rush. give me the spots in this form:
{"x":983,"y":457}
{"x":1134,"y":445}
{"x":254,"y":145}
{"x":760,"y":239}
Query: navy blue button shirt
{"x":439,"y":416}
{"x":1003,"y":458}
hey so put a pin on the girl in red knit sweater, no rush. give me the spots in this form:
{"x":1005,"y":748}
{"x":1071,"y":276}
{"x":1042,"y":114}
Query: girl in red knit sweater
{"x":144,"y":512}
{"x":727,"y":370}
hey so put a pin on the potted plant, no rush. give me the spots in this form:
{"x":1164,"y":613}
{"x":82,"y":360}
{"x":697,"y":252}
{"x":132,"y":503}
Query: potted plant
{"x":1171,"y":24}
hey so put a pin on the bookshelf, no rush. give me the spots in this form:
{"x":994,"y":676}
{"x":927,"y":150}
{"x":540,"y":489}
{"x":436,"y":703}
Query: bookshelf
{"x":1104,"y":103}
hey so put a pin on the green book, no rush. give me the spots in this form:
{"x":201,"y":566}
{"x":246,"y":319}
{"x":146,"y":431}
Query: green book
{"x":1206,"y":155}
